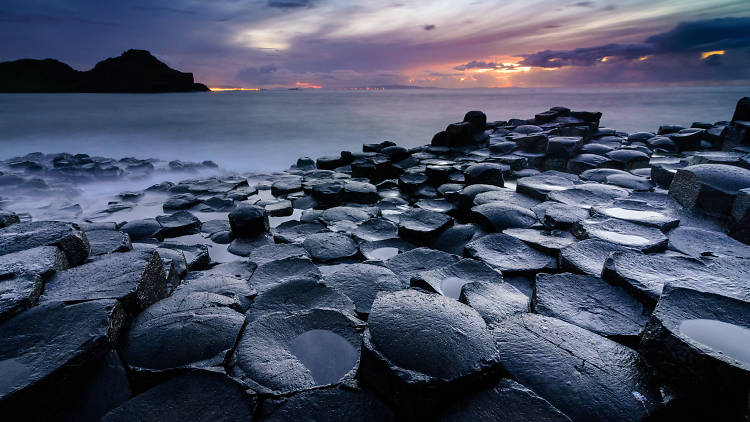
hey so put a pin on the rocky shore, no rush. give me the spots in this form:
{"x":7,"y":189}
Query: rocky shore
{"x":545,"y":269}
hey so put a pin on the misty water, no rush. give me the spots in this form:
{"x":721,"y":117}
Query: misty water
{"x":269,"y":130}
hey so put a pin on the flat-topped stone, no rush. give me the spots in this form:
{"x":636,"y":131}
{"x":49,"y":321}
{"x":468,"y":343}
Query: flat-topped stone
{"x":421,"y":226}
{"x":509,"y":255}
{"x":362,"y":282}
{"x":646,"y":239}
{"x":545,"y":353}
{"x":699,"y":243}
{"x":498,"y":216}
{"x":710,"y":188}
{"x":408,"y":264}
{"x":449,"y":280}
{"x":31,"y":234}
{"x":324,"y":247}
{"x":588,"y":195}
{"x":588,"y":256}
{"x":299,"y":295}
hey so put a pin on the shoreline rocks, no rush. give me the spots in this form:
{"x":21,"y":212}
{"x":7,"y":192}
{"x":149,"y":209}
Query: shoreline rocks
{"x":528,"y":269}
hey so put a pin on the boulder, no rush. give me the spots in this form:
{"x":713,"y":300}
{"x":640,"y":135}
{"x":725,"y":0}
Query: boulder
{"x":696,"y":343}
{"x":108,"y":241}
{"x":360,"y":192}
{"x":645,"y":275}
{"x":545,"y":354}
{"x":299,"y":295}
{"x":493,"y":300}
{"x":646,"y":239}
{"x":141,"y":229}
{"x":588,"y":256}
{"x":408,"y":264}
{"x":325,"y":247}
{"x":248,"y":221}
{"x":539,"y":186}
{"x":485,"y":173}
{"x":548,"y":241}
{"x":591,"y":303}
{"x":419,"y":349}
{"x":135,"y":278}
{"x":509,"y":255}
{"x":276,"y":251}
{"x":197,"y":395}
{"x":31,"y":234}
{"x":508,"y":196}
{"x":362,"y":282}
{"x":498,"y":216}
{"x":375,"y":229}
{"x":701,"y":243}
{"x":563,"y":146}
{"x":284,"y":353}
{"x":421,"y":226}
{"x":711,"y":188}
{"x":449,"y":280}
{"x":178,"y":224}
{"x":295,"y":231}
{"x":48,"y":352}
{"x":556,"y":215}
{"x":279,"y":271}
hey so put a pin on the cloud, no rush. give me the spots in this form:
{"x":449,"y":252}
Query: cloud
{"x":583,"y":4}
{"x":429,"y":27}
{"x":474,"y":64}
{"x":289,"y":4}
{"x":686,"y":37}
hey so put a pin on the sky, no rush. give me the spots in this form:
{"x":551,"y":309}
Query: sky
{"x":432,"y":43}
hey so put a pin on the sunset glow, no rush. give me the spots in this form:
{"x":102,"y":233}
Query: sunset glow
{"x":708,"y":54}
{"x":215,"y":89}
{"x":307,"y":85}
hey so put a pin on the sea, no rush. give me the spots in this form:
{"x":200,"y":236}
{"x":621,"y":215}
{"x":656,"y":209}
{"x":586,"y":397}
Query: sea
{"x":266,"y":131}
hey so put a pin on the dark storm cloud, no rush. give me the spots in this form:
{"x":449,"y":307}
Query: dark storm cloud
{"x":429,"y":27}
{"x":583,"y":4}
{"x":289,"y":4}
{"x":687,"y":37}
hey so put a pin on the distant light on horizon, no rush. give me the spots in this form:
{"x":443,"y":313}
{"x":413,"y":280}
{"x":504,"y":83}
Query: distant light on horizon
{"x":217,"y":89}
{"x":707,"y":54}
{"x":307,"y":85}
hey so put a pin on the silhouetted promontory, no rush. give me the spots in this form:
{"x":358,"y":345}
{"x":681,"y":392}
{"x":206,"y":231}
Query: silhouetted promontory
{"x":134,"y":71}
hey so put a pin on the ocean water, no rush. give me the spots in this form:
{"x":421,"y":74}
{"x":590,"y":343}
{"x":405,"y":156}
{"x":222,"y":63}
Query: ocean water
{"x":269,"y":130}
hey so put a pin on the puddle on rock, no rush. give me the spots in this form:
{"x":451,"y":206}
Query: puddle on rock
{"x":451,"y":286}
{"x":382,"y":254}
{"x":623,"y":239}
{"x":728,"y":339}
{"x":627,"y":214}
{"x":326,"y":354}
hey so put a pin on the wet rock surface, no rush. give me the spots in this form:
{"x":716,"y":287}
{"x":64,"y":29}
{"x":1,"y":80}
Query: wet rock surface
{"x":389,"y":284}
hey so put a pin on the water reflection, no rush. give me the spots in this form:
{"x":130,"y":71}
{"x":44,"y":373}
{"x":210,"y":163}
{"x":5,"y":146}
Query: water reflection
{"x":326,"y":354}
{"x":728,"y":339}
{"x":451,"y":286}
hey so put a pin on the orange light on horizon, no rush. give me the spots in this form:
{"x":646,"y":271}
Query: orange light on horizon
{"x":307,"y":85}
{"x":216,"y":89}
{"x":707,"y":54}
{"x":604,"y":59}
{"x":644,"y":58}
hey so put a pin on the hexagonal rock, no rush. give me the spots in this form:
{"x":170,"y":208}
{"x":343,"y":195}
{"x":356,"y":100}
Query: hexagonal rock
{"x":508,"y":401}
{"x":498,"y":216}
{"x":135,"y":278}
{"x":408,"y":264}
{"x":646,"y":239}
{"x":237,"y":289}
{"x":454,"y":238}
{"x":588,"y":256}
{"x":697,"y":343}
{"x":699,"y":243}
{"x":645,"y":275}
{"x":591,"y":303}
{"x":629,"y":159}
{"x":421,"y":226}
{"x":494,"y":301}
{"x":375,"y":229}
{"x":449,"y":280}
{"x":342,"y":402}
{"x":295,"y":231}
{"x":506,"y":195}
{"x":185,"y":328}
{"x":108,"y":241}
{"x":360,"y":192}
{"x":509,"y":255}
{"x":248,"y":221}
{"x":178,"y":224}
{"x":563,"y":146}
{"x":549,"y":241}
{"x":198,"y":395}
{"x":362,"y":282}
{"x":48,"y":351}
{"x":22,"y":276}
{"x":556,"y":215}
{"x":539,"y":186}
{"x":545,"y":354}
{"x":639,"y":212}
{"x":279,"y":271}
{"x":381,"y":250}
{"x":485,"y":173}
{"x":588,"y":195}
{"x":582,"y":163}
{"x":141,"y":229}
{"x":324,"y":247}
{"x":712,"y":188}
{"x":420,"y":349}
{"x":276,"y":251}
{"x":30,"y":234}
{"x":283,"y":353}
{"x":299,"y":295}
{"x":340,"y":218}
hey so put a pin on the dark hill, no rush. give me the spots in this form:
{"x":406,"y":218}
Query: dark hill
{"x":133,"y":71}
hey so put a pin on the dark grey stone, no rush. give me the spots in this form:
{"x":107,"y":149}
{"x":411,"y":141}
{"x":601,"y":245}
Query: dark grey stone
{"x":362,"y":282}
{"x":588,"y":256}
{"x":325,"y":247}
{"x":509,"y":255}
{"x":26,"y":235}
{"x":635,"y":236}
{"x":108,"y":241}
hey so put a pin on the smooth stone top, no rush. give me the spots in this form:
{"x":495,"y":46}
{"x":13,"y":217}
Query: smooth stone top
{"x":508,"y":254}
{"x":698,"y":243}
{"x":430,"y":334}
